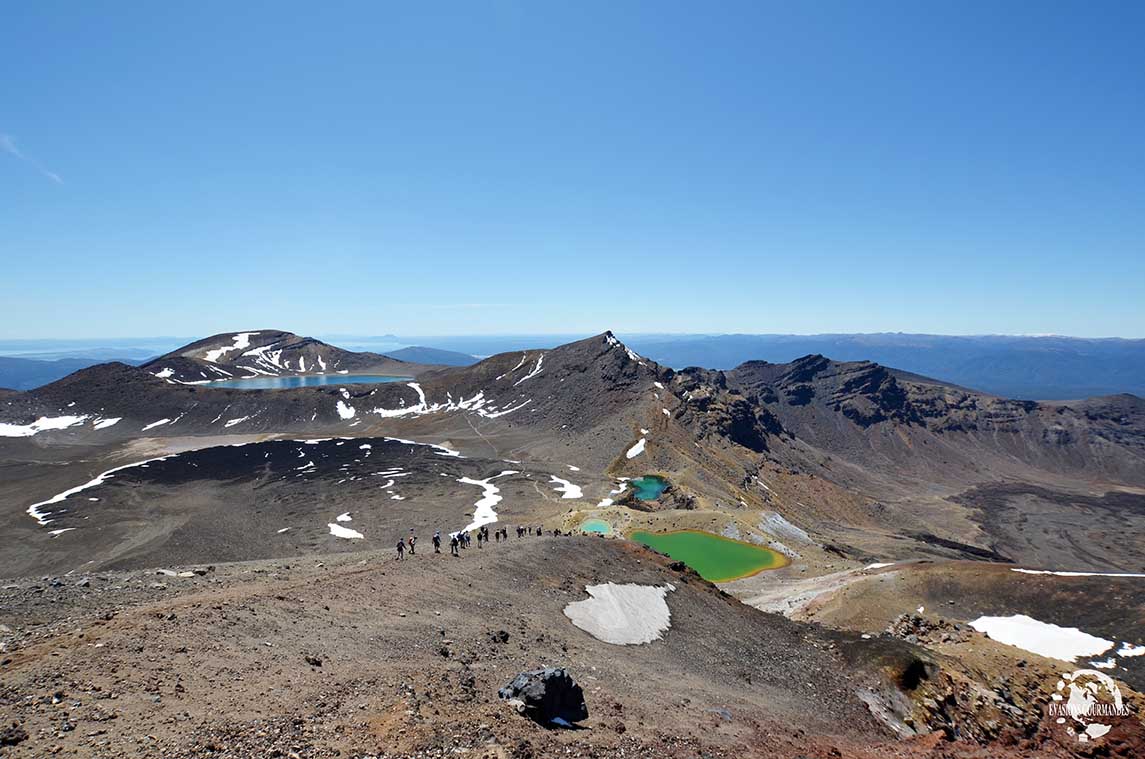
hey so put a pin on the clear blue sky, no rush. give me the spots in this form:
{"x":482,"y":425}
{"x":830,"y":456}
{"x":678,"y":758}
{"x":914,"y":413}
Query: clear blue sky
{"x":485,"y":167}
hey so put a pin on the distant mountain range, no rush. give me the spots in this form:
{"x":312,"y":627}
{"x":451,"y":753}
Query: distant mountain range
{"x":1011,"y":366}
{"x":27,"y":373}
{"x":418,"y":355}
{"x":1035,"y":368}
{"x":267,"y":353}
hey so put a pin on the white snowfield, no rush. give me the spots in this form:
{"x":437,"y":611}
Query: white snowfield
{"x":241,"y":342}
{"x":102,"y":424}
{"x":1064,"y":573}
{"x":345,"y":411}
{"x":624,"y":615}
{"x":566,"y":488}
{"x":339,"y":531}
{"x":478,"y":404}
{"x":637,"y":449}
{"x":483,"y":512}
{"x":1042,"y":638}
{"x":40,"y":425}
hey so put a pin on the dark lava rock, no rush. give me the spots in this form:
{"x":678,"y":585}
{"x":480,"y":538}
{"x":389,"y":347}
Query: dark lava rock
{"x":12,"y":734}
{"x":546,"y":695}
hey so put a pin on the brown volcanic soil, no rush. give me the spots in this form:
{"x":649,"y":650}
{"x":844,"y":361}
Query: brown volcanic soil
{"x":1109,"y":607}
{"x":359,"y":655}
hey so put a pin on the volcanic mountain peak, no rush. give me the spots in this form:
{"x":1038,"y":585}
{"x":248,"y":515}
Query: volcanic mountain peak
{"x":264,"y":353}
{"x":613,"y":342}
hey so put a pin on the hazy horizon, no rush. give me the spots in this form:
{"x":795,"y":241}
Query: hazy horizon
{"x":8,"y":343}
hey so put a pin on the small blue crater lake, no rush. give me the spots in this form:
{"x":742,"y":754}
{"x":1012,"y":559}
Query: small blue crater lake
{"x":310,"y":380}
{"x":598,"y":526}
{"x":648,"y":488}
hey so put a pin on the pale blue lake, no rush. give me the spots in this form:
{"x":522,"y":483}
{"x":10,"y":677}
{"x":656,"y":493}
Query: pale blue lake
{"x":310,"y":380}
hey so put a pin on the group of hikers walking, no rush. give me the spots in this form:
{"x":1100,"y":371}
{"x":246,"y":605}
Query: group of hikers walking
{"x":464,"y":539}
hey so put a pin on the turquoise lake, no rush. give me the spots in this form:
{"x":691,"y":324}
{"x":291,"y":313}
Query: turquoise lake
{"x":598,"y":526}
{"x":283,"y":383}
{"x":648,"y":488}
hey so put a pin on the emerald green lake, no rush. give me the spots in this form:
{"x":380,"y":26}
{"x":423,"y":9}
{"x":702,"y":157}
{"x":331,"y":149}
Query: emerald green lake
{"x":714,"y":557}
{"x":648,"y":488}
{"x":596,"y":525}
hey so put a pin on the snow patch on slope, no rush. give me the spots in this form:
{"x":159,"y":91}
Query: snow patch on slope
{"x":566,"y":488}
{"x":483,"y":512}
{"x":623,"y":615}
{"x":339,"y":531}
{"x":1042,"y":638}
{"x":1074,"y":574}
{"x":42,"y":424}
{"x":241,"y":342}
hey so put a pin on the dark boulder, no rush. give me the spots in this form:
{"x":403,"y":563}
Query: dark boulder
{"x":545,"y":695}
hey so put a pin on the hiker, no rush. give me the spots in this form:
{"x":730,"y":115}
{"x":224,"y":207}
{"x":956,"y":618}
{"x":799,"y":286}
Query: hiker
{"x":480,"y":537}
{"x":412,"y":544}
{"x":437,"y":541}
{"x":401,"y":549}
{"x":497,"y":536}
{"x":453,"y":542}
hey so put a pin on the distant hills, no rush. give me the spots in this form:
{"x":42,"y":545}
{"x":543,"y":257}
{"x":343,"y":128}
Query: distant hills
{"x":27,"y":373}
{"x":1011,"y":366}
{"x":267,"y":353}
{"x":1034,"y":368}
{"x":419,"y":355}
{"x":270,"y":352}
